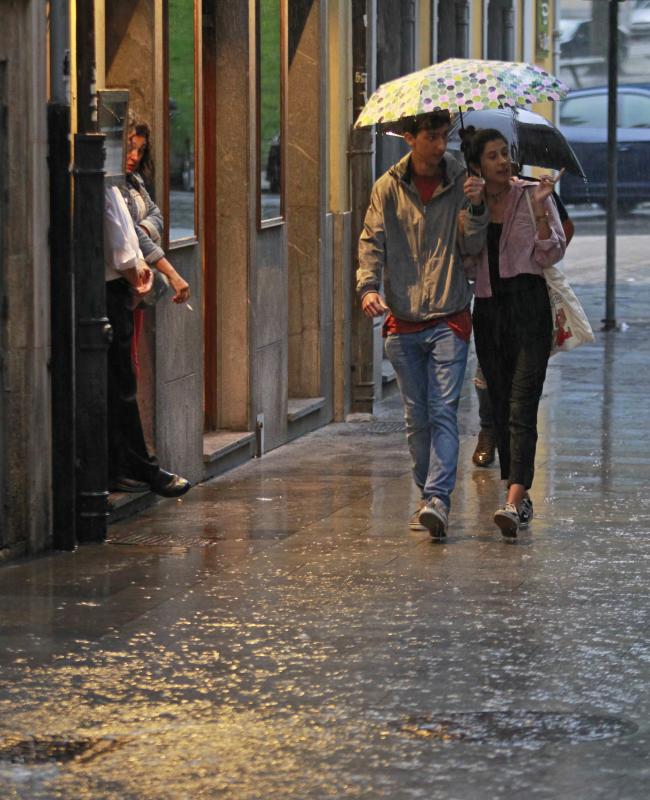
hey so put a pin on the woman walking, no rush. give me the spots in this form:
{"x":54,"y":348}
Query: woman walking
{"x":512,"y":314}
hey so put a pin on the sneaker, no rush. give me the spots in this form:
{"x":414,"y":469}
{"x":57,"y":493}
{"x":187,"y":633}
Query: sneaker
{"x":507,"y":519}
{"x":525,"y":512}
{"x":414,"y":522}
{"x":434,"y":517}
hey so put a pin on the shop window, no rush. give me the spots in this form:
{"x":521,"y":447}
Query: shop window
{"x":181,"y":56}
{"x":270,"y":84}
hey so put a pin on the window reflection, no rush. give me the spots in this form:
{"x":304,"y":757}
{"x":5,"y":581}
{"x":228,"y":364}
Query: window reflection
{"x":182,"y":106}
{"x":269,"y":51}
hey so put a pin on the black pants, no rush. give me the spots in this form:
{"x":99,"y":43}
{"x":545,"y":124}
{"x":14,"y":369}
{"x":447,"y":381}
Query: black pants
{"x":512,"y":332}
{"x":127,"y":451}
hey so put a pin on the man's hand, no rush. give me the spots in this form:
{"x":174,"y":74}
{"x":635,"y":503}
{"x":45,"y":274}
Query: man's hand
{"x":373,"y":305}
{"x":473,"y":189}
{"x":140,"y":278}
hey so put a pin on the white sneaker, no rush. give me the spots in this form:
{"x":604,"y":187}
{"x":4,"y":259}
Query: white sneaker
{"x":507,"y":519}
{"x":434,"y":517}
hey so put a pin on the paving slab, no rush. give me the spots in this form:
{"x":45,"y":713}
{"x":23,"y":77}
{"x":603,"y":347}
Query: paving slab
{"x":280,"y":633}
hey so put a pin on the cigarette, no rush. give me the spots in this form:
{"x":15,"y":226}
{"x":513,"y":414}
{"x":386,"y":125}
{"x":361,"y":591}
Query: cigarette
{"x":189,"y":307}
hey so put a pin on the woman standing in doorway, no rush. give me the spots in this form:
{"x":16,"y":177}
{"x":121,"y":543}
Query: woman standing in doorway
{"x":512,"y":314}
{"x":131,"y":468}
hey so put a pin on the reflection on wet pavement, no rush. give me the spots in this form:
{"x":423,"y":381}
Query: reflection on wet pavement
{"x":275,"y":633}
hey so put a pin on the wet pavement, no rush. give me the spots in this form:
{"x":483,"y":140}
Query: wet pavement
{"x":280,"y":633}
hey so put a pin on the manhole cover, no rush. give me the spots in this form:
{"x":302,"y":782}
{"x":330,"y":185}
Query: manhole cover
{"x":517,"y":727}
{"x":380,"y":428}
{"x":49,"y":749}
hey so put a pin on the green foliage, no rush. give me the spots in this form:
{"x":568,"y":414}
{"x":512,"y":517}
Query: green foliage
{"x":270,"y":72}
{"x":181,"y":79}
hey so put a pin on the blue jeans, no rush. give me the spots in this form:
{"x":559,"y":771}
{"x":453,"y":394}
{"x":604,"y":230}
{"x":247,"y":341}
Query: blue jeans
{"x":430,"y":366}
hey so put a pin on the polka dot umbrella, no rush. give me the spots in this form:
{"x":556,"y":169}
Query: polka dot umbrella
{"x":459,"y":84}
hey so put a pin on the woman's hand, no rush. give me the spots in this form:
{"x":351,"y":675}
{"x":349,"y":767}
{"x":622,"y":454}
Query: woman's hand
{"x":544,"y":190}
{"x":473,"y":188}
{"x":180,"y":287}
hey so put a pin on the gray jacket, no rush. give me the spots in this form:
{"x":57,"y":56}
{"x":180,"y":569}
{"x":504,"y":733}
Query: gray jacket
{"x":417,"y":250}
{"x":147,"y":218}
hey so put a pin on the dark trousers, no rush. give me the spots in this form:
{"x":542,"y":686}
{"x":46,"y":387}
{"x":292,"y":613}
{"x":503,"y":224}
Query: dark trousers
{"x":512,"y":333}
{"x":127,"y":451}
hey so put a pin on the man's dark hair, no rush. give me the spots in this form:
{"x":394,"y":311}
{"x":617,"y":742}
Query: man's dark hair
{"x":428,"y":122}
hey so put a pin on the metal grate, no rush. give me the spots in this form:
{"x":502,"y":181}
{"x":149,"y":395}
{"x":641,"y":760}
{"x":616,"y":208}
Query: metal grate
{"x":53,"y":749}
{"x":517,"y":727}
{"x":377,"y":428}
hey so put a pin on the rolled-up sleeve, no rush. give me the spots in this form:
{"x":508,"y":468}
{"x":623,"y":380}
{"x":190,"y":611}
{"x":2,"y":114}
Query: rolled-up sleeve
{"x":472,"y":231}
{"x":150,"y":229}
{"x":549,"y":251}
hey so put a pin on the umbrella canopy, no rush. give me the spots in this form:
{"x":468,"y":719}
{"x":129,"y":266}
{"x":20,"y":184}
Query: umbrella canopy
{"x":533,"y":139}
{"x":460,"y":84}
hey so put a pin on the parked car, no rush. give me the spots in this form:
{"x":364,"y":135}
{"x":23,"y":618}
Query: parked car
{"x":639,"y":20}
{"x":576,"y":41}
{"x":583,"y":121}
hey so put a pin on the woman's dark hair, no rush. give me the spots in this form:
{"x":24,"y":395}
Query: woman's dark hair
{"x":139,"y":127}
{"x":473,"y":142}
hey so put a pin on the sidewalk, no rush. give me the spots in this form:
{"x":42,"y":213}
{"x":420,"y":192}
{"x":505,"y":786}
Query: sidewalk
{"x":280,"y":633}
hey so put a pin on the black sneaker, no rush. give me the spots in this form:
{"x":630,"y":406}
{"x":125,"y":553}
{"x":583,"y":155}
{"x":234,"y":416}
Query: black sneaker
{"x":525,"y":511}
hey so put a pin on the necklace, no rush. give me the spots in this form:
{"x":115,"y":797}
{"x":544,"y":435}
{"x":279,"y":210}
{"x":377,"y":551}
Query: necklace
{"x":497,"y":195}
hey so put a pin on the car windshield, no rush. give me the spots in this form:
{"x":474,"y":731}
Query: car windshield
{"x":590,"y":111}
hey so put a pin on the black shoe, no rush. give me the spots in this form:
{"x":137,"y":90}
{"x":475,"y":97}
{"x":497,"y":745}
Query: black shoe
{"x":169,"y":485}
{"x":124,"y":484}
{"x":485,"y":446}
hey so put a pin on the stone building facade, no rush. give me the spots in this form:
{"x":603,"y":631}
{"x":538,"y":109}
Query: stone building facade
{"x":263,"y":187}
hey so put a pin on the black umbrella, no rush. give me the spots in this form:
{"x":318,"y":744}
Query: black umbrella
{"x":534,"y":140}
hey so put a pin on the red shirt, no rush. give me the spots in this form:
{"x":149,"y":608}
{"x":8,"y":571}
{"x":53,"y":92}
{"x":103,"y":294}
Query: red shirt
{"x":460,"y":323}
{"x":426,"y":185}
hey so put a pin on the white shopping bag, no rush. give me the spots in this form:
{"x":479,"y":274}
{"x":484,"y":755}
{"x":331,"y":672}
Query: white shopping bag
{"x":571,"y":327}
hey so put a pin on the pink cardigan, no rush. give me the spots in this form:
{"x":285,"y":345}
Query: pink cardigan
{"x":520,"y":248}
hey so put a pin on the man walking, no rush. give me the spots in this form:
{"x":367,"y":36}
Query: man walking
{"x":413,"y":240}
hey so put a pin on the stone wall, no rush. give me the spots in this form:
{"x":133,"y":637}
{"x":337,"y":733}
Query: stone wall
{"x":25,"y":320}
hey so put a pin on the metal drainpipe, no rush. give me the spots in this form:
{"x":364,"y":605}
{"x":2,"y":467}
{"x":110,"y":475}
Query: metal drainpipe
{"x":360,"y":154}
{"x":62,"y":315}
{"x":609,"y":323}
{"x":407,"y":54}
{"x":92,"y":329}
{"x":508,"y":17}
{"x":461,"y":20}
